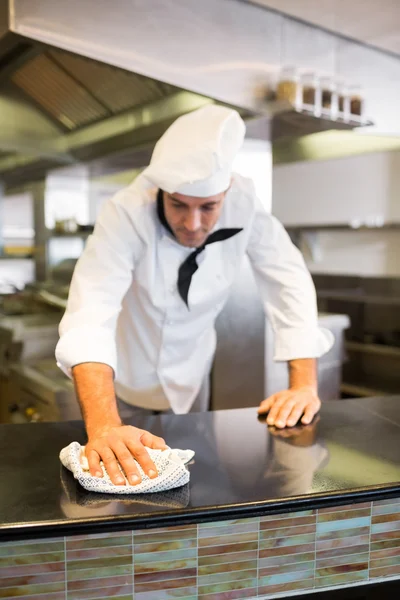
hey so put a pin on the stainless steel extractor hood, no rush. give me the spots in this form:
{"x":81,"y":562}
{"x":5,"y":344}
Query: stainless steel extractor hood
{"x":58,"y":107}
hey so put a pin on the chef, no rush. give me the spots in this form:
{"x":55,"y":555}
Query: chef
{"x":138,"y":334}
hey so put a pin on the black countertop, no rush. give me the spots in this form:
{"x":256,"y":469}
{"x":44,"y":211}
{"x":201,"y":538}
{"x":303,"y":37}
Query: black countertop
{"x":242,"y":468}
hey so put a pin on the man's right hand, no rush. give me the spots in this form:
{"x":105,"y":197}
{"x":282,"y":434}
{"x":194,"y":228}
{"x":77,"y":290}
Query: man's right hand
{"x":122,"y":444}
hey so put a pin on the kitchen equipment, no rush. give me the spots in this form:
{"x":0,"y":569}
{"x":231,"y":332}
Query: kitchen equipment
{"x":40,"y":392}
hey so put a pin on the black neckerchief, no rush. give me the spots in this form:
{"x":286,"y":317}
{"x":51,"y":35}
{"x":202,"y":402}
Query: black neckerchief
{"x":189,"y":265}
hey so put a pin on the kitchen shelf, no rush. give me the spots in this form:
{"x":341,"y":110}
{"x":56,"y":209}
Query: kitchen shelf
{"x":339,"y":227}
{"x":16,"y":257}
{"x":76,"y":234}
{"x":287,"y":121}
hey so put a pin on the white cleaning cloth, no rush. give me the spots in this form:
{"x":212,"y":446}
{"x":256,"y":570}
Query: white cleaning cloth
{"x":171,"y":467}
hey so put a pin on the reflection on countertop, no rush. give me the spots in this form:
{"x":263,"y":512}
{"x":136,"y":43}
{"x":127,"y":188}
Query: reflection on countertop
{"x":242,"y":468}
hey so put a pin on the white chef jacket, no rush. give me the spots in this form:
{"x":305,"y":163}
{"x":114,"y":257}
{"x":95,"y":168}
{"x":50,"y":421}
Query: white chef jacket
{"x":124,"y":308}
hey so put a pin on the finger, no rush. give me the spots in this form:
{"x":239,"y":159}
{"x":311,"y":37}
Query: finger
{"x":153,"y":441}
{"x":296,"y":413}
{"x":94,"y":463}
{"x":309,"y":413}
{"x":281,"y":419}
{"x":142,"y":456}
{"x":110,"y":462}
{"x":127,"y":462}
{"x":266,"y":405}
{"x":276,"y":407}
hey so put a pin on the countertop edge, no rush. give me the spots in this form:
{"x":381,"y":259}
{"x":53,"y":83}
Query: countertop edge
{"x":16,"y":532}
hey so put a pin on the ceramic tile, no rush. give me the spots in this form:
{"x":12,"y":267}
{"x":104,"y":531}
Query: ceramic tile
{"x":165,"y":546}
{"x":288,"y":577}
{"x":227,"y":587}
{"x":227,"y":558}
{"x":391,"y":526}
{"x":25,"y":570}
{"x":227,"y":549}
{"x":304,"y":584}
{"x":165,"y":536}
{"x":344,"y":508}
{"x":49,"y":596}
{"x":205,"y":532}
{"x":172,"y":556}
{"x":388,"y":501}
{"x":31,"y":559}
{"x":100,"y":536}
{"x":170,"y":584}
{"x":293,"y":522}
{"x":6,"y":582}
{"x":83,"y":555}
{"x":225,"y":567}
{"x":341,"y":579}
{"x":385,"y":509}
{"x":388,"y":561}
{"x":106,"y":542}
{"x":235,"y":595}
{"x":234,"y":538}
{"x":8,"y":550}
{"x":342,"y":560}
{"x":385,"y":535}
{"x":81,"y":574}
{"x":102,"y":592}
{"x":342,"y":542}
{"x":345,"y":514}
{"x":341,"y":569}
{"x":383,"y":552}
{"x":345,"y":524}
{"x":286,"y":568}
{"x":286,"y":559}
{"x":183,"y":593}
{"x":99,"y":563}
{"x":227,"y":576}
{"x":96,"y":582}
{"x":38,"y":589}
{"x":343,"y":533}
{"x":301,"y":549}
{"x":388,"y":571}
{"x":334,"y":552}
{"x":287,"y":531}
{"x":386,"y":518}
{"x":295,"y":540}
{"x":156,"y":567}
{"x":164,"y":575}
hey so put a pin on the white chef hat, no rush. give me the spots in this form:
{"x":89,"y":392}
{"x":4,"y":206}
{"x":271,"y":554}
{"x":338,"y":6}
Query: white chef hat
{"x":195,"y":155}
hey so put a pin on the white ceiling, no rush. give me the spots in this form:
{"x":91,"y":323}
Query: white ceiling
{"x":375,"y":22}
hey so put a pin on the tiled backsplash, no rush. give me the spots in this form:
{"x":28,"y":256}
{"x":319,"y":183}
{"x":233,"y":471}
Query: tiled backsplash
{"x":227,"y":560}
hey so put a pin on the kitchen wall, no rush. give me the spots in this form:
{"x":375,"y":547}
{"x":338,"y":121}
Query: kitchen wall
{"x":360,"y":190}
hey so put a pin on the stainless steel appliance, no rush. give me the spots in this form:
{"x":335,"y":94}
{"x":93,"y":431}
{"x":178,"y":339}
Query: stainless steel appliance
{"x":40,"y":392}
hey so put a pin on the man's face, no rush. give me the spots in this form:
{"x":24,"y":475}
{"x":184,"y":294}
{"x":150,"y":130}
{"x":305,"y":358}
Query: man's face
{"x":191,"y":218}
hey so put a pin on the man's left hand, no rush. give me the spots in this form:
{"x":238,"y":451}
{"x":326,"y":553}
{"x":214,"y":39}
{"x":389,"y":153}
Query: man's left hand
{"x":290,"y":406}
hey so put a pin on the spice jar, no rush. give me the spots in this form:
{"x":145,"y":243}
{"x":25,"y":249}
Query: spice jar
{"x":328,"y":98}
{"x":310,"y":92}
{"x":342,"y":100}
{"x":356,"y":101}
{"x":289,"y":88}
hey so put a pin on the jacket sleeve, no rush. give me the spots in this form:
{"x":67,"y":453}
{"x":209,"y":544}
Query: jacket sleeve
{"x":100,"y":281}
{"x":287,"y":290}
